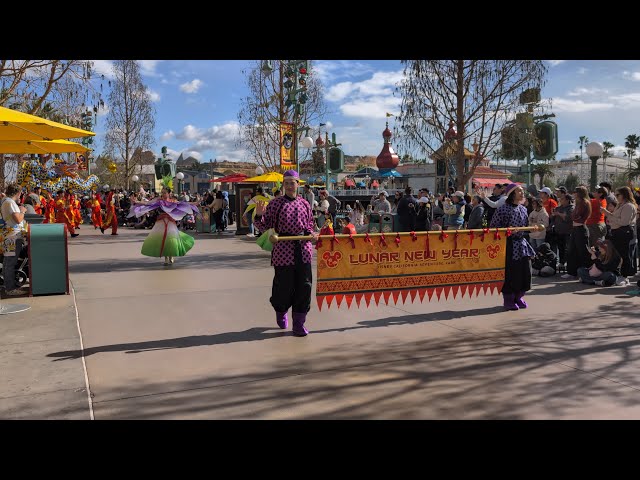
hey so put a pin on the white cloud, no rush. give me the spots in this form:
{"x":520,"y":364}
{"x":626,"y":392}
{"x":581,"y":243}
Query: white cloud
{"x":102,"y":111}
{"x":633,"y":76}
{"x":578,"y":106}
{"x":103,"y":67}
{"x":191,"y":87}
{"x":167,"y":135}
{"x":218,"y":139}
{"x":153,"y":96}
{"x":555,"y":63}
{"x":578,"y":91}
{"x":625,"y":99}
{"x":381,"y":83}
{"x":148,"y":67}
{"x":582,"y":70}
{"x":192,"y":153}
{"x":332,"y":70}
{"x":372,"y":107}
{"x":189,"y":133}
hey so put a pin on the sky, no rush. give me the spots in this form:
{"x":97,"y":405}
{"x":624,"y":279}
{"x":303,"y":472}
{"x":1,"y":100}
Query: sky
{"x":197,"y":103}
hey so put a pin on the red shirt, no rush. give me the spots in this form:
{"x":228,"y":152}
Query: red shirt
{"x":349,"y":229}
{"x":549,"y":205}
{"x":596,"y":215}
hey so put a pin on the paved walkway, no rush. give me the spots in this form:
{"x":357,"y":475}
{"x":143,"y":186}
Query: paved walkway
{"x":198,"y":340}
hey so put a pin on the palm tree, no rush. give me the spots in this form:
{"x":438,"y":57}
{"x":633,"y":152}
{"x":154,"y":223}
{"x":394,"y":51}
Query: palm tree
{"x":542,"y":170}
{"x":582,"y":141}
{"x":633,"y":172}
{"x":631,"y":143}
{"x":606,"y":146}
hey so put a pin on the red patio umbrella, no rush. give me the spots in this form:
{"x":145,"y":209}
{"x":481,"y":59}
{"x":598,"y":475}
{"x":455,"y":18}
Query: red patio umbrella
{"x":236,"y":177}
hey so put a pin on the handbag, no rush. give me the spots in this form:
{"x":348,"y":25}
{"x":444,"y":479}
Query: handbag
{"x":264,"y":242}
{"x":594,"y":271}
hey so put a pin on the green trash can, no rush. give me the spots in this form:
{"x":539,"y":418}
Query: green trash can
{"x":48,"y":259}
{"x":374,"y":223}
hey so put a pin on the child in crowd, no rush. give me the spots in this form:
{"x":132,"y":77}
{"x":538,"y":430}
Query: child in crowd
{"x":544,"y":263}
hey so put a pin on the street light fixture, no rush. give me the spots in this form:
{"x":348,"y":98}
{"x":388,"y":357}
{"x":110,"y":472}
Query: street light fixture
{"x":259,"y":170}
{"x":180,"y":177}
{"x":594,"y":152}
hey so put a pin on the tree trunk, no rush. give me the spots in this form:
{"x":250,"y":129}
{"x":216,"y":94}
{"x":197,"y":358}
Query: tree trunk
{"x":460,"y":158}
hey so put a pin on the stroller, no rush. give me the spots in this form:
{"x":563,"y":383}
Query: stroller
{"x":22,"y":267}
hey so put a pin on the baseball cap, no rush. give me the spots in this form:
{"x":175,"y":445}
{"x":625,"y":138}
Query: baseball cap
{"x":562,"y":189}
{"x":423,"y":200}
{"x":546,"y":190}
{"x":384,"y":192}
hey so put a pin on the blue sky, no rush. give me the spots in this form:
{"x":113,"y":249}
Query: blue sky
{"x":197,"y":103}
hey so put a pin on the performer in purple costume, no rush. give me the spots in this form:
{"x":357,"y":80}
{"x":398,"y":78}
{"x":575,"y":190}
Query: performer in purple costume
{"x":517,"y":276}
{"x":290,"y":215}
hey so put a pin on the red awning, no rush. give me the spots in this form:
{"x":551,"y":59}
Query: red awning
{"x":490,"y":182}
{"x":237,"y":177}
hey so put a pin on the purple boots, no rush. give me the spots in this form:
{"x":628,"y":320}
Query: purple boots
{"x":298,"y":324}
{"x":509,"y":301}
{"x":519,"y":300}
{"x":282,"y":320}
{"x":514,"y":301}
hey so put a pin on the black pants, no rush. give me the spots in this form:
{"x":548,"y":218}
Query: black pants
{"x":292,"y":286}
{"x":517,"y":273}
{"x":577,"y":254}
{"x":623,"y":241}
{"x":562,"y":240}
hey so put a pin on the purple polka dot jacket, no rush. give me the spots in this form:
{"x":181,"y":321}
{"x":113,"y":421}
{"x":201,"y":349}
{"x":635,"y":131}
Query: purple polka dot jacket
{"x":509,"y":215}
{"x":288,"y":216}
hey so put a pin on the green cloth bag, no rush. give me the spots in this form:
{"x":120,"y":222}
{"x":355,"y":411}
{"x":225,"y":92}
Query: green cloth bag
{"x":264,"y":242}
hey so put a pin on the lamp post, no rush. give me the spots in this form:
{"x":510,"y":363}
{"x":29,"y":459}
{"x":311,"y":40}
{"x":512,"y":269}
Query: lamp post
{"x":594,"y":152}
{"x":180,"y":177}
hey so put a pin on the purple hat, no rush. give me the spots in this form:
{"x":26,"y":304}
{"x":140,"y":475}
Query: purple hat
{"x":509,"y":188}
{"x":292,"y":173}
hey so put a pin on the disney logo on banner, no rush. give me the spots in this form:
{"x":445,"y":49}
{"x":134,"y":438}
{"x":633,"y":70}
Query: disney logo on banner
{"x":492,"y":250}
{"x":331,"y":258}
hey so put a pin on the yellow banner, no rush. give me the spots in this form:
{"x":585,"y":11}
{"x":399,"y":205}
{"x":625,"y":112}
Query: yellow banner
{"x":287,"y":146}
{"x":409,"y":266}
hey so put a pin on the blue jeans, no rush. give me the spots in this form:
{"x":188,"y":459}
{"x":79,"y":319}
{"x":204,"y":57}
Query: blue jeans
{"x":608,"y":278}
{"x":249,"y":217}
{"x":9,"y":268}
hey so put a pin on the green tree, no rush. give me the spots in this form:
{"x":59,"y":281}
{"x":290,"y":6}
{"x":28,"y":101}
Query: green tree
{"x":542,"y":170}
{"x":631,"y":143}
{"x":634,"y":171}
{"x":477,"y":96}
{"x":582,"y":141}
{"x":606,"y":147}
{"x":571,"y":182}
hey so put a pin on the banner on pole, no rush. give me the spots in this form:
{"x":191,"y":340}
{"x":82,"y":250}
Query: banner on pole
{"x":287,"y":146}
{"x":409,"y":266}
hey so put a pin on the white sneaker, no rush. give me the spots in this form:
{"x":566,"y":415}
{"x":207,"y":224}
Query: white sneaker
{"x":622,"y":281}
{"x":567,"y":276}
{"x":600,"y":283}
{"x":250,"y":235}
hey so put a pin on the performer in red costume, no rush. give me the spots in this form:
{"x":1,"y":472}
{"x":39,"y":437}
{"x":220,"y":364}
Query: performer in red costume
{"x":111,"y":220}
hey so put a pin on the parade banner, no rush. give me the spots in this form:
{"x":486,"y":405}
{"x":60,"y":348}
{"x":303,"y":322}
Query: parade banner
{"x":287,"y":146}
{"x":409,"y":266}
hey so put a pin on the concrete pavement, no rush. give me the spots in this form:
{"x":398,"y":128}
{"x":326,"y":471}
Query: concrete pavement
{"x":198,"y":340}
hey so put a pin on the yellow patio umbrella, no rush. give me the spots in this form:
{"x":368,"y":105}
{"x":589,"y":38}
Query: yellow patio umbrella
{"x":16,"y":125}
{"x":268,"y":177}
{"x":40,"y":146}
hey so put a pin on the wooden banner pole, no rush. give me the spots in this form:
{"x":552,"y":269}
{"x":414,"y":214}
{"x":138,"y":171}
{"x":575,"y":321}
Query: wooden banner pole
{"x":535,"y":228}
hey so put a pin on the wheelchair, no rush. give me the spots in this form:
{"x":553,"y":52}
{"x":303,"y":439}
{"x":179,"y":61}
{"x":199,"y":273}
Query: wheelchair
{"x":22,"y":267}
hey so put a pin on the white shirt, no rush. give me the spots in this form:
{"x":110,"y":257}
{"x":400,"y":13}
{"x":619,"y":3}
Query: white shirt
{"x":9,"y":207}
